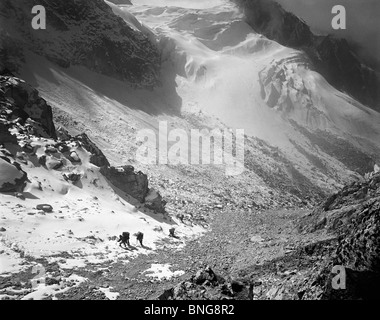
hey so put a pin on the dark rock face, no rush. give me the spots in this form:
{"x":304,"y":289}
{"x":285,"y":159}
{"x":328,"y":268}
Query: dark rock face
{"x":12,"y":177}
{"x":83,"y":33}
{"x":97,"y":157}
{"x":134,"y":184}
{"x":73,"y":177}
{"x":25,"y":103}
{"x":45,"y":207}
{"x":354,"y":215}
{"x":154,"y":201}
{"x":333,"y":58}
{"x":204,"y":275}
{"x":5,"y":135}
{"x":353,"y":203}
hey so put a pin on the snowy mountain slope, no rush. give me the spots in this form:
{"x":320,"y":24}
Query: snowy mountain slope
{"x":221,"y":76}
{"x":63,"y":204}
{"x":189,"y":28}
{"x":332,"y":57}
{"x":213,"y":62}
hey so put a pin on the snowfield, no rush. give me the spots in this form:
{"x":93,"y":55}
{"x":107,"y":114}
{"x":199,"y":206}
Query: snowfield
{"x":86,"y":220}
{"x":79,"y":225}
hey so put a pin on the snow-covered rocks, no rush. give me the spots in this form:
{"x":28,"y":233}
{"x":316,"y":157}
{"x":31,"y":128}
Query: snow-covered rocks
{"x":96,"y":155}
{"x":27,"y":103}
{"x":74,"y":157}
{"x":135,"y":185}
{"x":154,"y":201}
{"x":68,"y":208}
{"x":53,"y":163}
{"x":12,"y":177}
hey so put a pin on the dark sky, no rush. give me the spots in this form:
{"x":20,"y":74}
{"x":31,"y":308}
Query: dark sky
{"x":363,"y":21}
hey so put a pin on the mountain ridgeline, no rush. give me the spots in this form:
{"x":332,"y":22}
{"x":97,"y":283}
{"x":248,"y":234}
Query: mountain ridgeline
{"x":330,"y":56}
{"x":83,"y":33}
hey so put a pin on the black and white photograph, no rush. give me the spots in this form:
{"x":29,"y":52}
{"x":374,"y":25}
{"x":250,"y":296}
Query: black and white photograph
{"x":197,"y":150}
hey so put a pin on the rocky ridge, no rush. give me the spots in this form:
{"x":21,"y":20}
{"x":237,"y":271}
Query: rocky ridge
{"x":332,"y":57}
{"x":27,"y":127}
{"x":83,"y":33}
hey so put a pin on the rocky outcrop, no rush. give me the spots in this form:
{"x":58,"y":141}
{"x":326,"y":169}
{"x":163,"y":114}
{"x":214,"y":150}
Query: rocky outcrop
{"x":83,"y":33}
{"x":5,"y":135}
{"x":135,"y":184}
{"x":28,"y":116}
{"x":353,"y":214}
{"x":206,"y":285}
{"x":97,"y":157}
{"x":26,"y":103}
{"x":331,"y":57}
{"x":12,"y":177}
{"x":352,"y":202}
{"x":125,"y":178}
{"x":154,"y":201}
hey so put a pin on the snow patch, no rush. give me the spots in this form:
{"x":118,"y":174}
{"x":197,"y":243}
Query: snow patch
{"x":162,"y":271}
{"x":110,"y":295}
{"x":43,"y":291}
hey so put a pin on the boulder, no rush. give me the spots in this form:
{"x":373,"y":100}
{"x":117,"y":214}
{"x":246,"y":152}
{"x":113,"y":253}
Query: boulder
{"x":49,"y":281}
{"x":206,"y":274}
{"x":19,"y":195}
{"x":28,"y":103}
{"x":35,"y":128}
{"x":63,"y":134}
{"x":133,"y":184}
{"x":97,"y":157}
{"x":74,"y":157}
{"x":237,"y":286}
{"x":12,"y":178}
{"x":6,"y":136}
{"x":206,"y":285}
{"x":154,"y":201}
{"x":73,"y":177}
{"x":167,"y":294}
{"x":50,"y":150}
{"x":42,"y":160}
{"x":45,"y":207}
{"x":53,"y":163}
